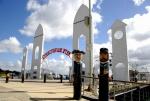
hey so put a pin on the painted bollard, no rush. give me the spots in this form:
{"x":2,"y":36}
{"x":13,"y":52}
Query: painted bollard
{"x":77,"y":83}
{"x":7,"y":77}
{"x":104,"y":75}
{"x":44,"y":78}
{"x":22,"y":78}
{"x":61,"y":78}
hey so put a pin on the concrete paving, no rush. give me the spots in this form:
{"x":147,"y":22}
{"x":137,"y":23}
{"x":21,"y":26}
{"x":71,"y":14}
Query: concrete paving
{"x":35,"y":91}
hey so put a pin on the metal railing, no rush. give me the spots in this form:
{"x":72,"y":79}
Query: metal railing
{"x":124,"y":90}
{"x":91,"y":91}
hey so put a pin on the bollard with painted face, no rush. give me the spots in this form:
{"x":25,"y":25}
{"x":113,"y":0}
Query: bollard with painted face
{"x":7,"y":77}
{"x":78,"y":55}
{"x":77,"y":83}
{"x":44,"y":78}
{"x":103,"y":77}
{"x":104,"y":57}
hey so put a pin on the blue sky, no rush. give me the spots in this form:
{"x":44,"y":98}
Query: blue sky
{"x":19,"y":19}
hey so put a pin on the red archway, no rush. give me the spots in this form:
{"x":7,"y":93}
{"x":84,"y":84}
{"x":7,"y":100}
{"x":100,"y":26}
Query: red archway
{"x":54,"y":50}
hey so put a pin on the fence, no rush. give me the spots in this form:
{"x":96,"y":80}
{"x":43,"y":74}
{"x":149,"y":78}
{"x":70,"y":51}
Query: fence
{"x":118,"y":90}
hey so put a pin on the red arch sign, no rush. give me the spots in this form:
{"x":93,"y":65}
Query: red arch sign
{"x":54,"y":50}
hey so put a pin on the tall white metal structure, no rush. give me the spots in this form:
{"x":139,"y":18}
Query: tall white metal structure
{"x":119,"y":51}
{"x":37,"y":53}
{"x":24,"y":60}
{"x":82,"y":26}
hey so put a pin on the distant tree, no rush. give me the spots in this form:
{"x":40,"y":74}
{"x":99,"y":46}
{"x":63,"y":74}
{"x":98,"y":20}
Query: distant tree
{"x":1,"y":70}
{"x":16,"y":73}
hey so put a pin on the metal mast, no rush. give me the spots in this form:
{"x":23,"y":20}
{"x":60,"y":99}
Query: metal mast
{"x":91,"y":41}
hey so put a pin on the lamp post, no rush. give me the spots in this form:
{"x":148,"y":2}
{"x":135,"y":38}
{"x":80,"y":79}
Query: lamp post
{"x":91,"y":46}
{"x":77,"y":72}
{"x":104,"y":75}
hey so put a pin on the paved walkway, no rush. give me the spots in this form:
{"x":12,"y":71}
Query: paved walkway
{"x":35,"y":91}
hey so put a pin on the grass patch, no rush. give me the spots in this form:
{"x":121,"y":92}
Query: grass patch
{"x":2,"y":74}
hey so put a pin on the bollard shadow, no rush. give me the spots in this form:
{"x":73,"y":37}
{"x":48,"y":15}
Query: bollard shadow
{"x":31,"y":92}
{"x":58,"y":99}
{"x":36,"y":81}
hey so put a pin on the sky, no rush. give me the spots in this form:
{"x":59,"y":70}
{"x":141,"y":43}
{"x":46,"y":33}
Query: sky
{"x":20,"y":18}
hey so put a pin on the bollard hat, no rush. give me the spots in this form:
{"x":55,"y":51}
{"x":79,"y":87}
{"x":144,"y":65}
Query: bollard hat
{"x":104,"y":50}
{"x":78,"y":51}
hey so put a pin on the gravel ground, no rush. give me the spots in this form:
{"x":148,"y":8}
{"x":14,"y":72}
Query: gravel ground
{"x":10,"y":95}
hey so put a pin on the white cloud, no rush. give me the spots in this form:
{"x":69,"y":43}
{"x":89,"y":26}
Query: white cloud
{"x":109,"y":35}
{"x":138,"y":2}
{"x":33,"y":5}
{"x":99,"y":4}
{"x":138,"y":28}
{"x":30,"y":47}
{"x":138,"y":39}
{"x":10,"y":45}
{"x":57,"y":66}
{"x":147,"y":8}
{"x":9,"y":65}
{"x":56,"y":17}
{"x":18,"y":64}
{"x":62,"y":57}
{"x":96,"y":18}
